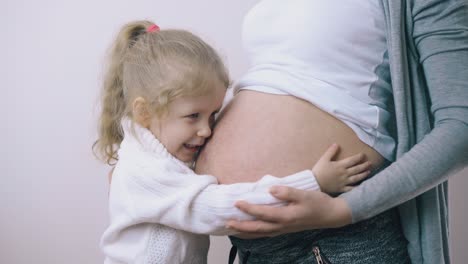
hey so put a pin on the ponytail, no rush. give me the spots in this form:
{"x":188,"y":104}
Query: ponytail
{"x":113,"y":100}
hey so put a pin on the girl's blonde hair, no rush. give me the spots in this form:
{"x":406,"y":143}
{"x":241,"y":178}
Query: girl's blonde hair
{"x":158,"y":66}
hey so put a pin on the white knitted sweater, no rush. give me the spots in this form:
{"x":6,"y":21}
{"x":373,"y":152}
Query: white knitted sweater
{"x":161,"y":211}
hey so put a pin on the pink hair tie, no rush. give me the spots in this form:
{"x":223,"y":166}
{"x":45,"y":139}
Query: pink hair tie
{"x":152,"y":28}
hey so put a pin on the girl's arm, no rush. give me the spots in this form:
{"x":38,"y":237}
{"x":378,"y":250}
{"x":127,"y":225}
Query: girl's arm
{"x":195,"y":203}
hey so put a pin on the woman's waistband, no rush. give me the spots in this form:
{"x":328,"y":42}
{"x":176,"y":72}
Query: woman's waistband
{"x":378,"y":226}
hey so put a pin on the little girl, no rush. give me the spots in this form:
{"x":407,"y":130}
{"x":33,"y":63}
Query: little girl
{"x":161,"y":93}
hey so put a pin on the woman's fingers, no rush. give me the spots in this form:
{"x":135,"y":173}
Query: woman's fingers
{"x":270,"y":213}
{"x":254,"y":235}
{"x":257,"y":235}
{"x":261,"y":212}
{"x":287,"y":194}
{"x":305,"y":210}
{"x":254,"y":229}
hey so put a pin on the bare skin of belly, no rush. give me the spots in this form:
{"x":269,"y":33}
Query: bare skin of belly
{"x":259,"y":134}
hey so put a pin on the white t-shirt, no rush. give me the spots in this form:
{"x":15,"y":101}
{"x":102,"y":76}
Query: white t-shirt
{"x":159,"y":207}
{"x":331,"y":53}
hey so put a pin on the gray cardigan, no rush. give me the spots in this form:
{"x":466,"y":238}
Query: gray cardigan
{"x":428,"y":53}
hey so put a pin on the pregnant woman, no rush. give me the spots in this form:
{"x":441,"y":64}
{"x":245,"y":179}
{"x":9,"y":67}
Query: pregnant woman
{"x":386,"y":78}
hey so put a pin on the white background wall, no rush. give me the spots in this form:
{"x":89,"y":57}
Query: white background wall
{"x":53,"y":193}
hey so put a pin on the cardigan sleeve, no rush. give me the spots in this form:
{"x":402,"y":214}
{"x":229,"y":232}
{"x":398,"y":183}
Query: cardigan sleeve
{"x":197,"y":204}
{"x":440,"y":33}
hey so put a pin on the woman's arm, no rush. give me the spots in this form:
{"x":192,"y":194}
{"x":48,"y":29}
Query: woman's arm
{"x":440,"y":32}
{"x":441,"y":37}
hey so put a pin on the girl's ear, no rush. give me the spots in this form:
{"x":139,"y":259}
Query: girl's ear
{"x":141,"y":113}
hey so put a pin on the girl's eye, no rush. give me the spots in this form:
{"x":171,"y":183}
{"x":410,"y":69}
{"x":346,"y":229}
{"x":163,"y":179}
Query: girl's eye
{"x":194,"y":116}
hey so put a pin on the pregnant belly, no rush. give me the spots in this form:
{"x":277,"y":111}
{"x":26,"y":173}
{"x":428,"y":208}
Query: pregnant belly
{"x":259,"y":134}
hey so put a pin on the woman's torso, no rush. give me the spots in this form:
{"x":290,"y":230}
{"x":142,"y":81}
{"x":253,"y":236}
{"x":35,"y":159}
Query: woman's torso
{"x":319,"y":76}
{"x":313,"y":82}
{"x":261,"y":133}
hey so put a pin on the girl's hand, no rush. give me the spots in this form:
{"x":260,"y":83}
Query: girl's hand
{"x":340,"y":176}
{"x":305,"y":210}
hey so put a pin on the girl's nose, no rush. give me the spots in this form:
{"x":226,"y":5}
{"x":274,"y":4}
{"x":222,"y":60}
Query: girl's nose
{"x":204,"y":132}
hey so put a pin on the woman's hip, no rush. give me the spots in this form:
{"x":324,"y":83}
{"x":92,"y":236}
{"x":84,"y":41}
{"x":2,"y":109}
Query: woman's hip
{"x":376,"y":240}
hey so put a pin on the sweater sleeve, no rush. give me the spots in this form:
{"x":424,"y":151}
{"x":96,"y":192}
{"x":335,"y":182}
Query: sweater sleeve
{"x":197,"y":204}
{"x":441,"y":37}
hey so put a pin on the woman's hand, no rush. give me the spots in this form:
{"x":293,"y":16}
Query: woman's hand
{"x":306,"y":210}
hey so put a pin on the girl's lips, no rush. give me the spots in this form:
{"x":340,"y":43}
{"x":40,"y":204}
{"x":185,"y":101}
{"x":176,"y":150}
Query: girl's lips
{"x":193,"y":148}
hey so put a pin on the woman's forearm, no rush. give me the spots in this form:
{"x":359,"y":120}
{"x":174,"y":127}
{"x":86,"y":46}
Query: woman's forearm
{"x":440,"y":154}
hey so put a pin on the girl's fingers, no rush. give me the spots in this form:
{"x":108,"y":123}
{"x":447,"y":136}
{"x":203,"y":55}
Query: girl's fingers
{"x":351,"y":161}
{"x":359,"y":168}
{"x":347,"y":189}
{"x":331,"y":152}
{"x":358,"y":177}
